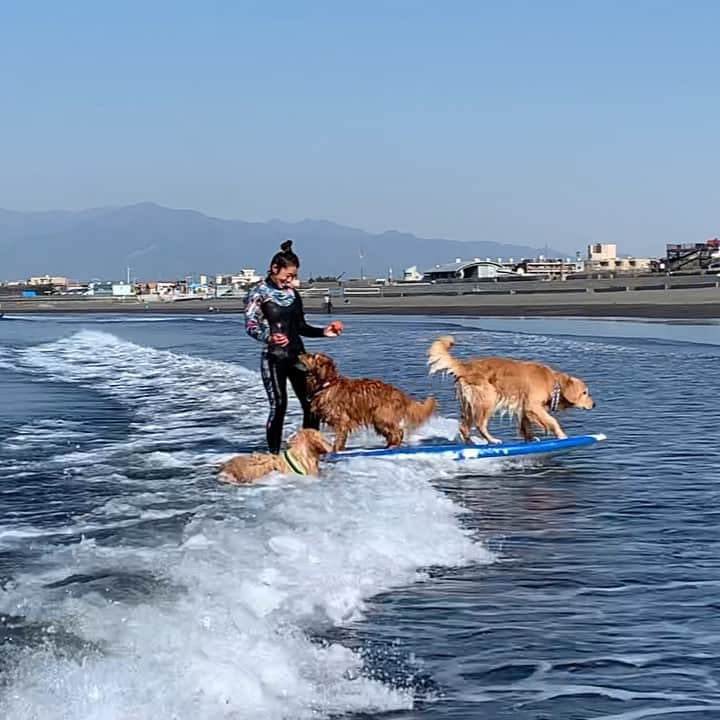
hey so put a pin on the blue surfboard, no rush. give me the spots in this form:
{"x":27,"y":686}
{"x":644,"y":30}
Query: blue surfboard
{"x":473,"y":452}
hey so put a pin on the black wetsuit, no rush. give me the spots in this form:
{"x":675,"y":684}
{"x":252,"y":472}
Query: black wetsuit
{"x":269,"y":311}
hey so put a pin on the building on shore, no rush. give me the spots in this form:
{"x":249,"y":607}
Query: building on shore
{"x":235,"y":284}
{"x":693,"y":256}
{"x":603,"y":257}
{"x":110,"y":288}
{"x":412,"y":274}
{"x":56,"y":281}
{"x":75,"y":287}
{"x":475,"y":269}
{"x":162,"y":287}
{"x":488,"y":269}
{"x":246,"y":276}
{"x":11,"y":287}
{"x":549,"y":267}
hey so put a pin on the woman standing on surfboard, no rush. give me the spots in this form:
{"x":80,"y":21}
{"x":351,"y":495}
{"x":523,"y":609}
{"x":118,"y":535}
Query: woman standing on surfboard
{"x":274,"y":316}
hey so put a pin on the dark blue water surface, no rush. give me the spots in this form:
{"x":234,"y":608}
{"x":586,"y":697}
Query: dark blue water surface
{"x":134,"y":585}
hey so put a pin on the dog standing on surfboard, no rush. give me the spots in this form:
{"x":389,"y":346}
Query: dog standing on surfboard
{"x":529,"y":391}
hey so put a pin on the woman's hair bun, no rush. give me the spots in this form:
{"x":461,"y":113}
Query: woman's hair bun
{"x":284,"y":258}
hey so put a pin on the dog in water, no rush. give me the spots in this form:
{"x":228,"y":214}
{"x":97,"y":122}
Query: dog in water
{"x":527,"y":390}
{"x":301,"y":457}
{"x":347,"y":404}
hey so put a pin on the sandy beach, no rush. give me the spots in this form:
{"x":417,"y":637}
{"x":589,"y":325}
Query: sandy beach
{"x":692,"y":303}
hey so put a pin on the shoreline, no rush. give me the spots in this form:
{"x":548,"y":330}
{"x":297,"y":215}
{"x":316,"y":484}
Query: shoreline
{"x":707,"y":309}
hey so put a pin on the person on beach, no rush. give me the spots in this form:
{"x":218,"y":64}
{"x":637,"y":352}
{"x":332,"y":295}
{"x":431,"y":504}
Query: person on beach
{"x":274,"y":316}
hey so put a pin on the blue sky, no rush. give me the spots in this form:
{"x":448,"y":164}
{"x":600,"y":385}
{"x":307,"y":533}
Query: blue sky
{"x":532,"y":122}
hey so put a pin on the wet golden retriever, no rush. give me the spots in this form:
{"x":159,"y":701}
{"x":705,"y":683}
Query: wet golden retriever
{"x":347,"y":404}
{"x":301,"y":457}
{"x":527,"y":390}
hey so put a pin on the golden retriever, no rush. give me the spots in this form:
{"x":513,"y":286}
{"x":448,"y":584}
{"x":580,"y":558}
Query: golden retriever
{"x":301,"y":457}
{"x":527,"y":390}
{"x":347,"y":404}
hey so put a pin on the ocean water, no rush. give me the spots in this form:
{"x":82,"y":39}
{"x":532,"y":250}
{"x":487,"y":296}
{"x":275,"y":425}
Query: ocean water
{"x":133,"y":585}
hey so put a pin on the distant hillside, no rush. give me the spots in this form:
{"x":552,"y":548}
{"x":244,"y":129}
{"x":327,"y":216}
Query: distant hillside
{"x":159,"y":242}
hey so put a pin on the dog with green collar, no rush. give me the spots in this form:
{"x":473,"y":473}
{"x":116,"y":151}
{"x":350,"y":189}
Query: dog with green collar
{"x":300,"y":457}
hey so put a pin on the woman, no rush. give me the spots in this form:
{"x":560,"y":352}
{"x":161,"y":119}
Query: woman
{"x":274,"y":315}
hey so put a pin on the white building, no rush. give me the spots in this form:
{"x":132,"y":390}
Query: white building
{"x":246,"y":276}
{"x":466,"y":270}
{"x":109,"y":288}
{"x":123,"y":289}
{"x":550,"y":267}
{"x":412,"y":274}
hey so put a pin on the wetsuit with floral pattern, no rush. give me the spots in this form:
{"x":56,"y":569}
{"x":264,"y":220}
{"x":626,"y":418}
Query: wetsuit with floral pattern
{"x":269,"y":310}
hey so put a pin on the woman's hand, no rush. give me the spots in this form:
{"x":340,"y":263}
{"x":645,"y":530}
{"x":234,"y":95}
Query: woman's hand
{"x":333,"y":329}
{"x":278,"y":339}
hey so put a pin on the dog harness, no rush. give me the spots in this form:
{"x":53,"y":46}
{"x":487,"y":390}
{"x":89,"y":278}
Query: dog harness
{"x":293,"y":463}
{"x":555,"y":397}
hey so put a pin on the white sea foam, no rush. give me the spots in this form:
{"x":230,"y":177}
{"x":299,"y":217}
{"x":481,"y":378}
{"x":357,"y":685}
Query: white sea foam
{"x":228,"y":587}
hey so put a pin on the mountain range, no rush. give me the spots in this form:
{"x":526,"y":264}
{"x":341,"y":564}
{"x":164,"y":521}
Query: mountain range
{"x":157,"y":242}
